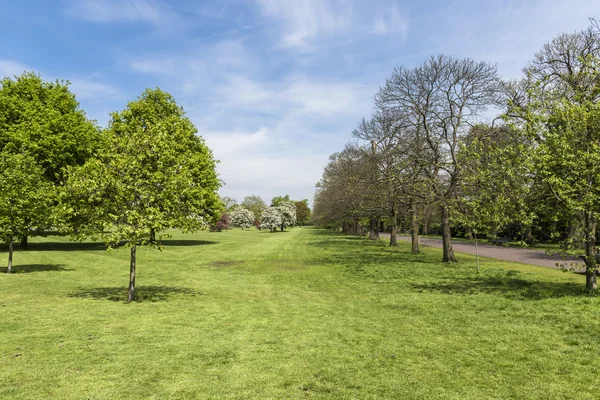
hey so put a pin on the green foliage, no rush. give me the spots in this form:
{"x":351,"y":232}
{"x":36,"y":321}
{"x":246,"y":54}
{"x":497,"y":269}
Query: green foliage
{"x":43,"y":119}
{"x":152,"y":173}
{"x":276,"y":201}
{"x":255,"y":204}
{"x":303,"y":213}
{"x":25,"y":196}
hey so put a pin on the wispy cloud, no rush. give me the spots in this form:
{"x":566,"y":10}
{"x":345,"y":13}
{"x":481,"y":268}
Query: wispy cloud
{"x":115,"y":10}
{"x":9,"y":68}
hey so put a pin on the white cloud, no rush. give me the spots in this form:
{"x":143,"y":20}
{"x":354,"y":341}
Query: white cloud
{"x":10,"y":68}
{"x":304,"y":22}
{"x":115,"y":10}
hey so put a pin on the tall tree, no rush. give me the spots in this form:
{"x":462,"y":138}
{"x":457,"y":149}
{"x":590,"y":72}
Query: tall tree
{"x":25,"y":198}
{"x":441,"y":99}
{"x":302,"y":212}
{"x":152,"y":173}
{"x":43,"y":119}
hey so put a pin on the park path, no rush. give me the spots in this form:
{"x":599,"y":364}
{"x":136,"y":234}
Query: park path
{"x":526,"y":256}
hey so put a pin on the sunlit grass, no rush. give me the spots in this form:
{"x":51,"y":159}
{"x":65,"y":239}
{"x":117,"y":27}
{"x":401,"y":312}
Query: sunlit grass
{"x":305,"y":313}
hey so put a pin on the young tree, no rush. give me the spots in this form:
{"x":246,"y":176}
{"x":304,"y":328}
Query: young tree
{"x":25,"y":198}
{"x":271,"y":219}
{"x":43,"y":119}
{"x":241,"y":218}
{"x":152,"y":173}
{"x":229,"y":203}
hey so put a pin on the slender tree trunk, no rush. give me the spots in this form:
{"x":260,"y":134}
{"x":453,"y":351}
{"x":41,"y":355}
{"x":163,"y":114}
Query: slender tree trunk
{"x":469,"y":233}
{"x":24,"y":242}
{"x":10,"y":255}
{"x":152,"y":235}
{"x":415,"y":231}
{"x":446,"y":236}
{"x":394,"y":230}
{"x":527,"y":235}
{"x":373,"y":232}
{"x":590,"y":253}
{"x":425,"y":227}
{"x":131,"y":295}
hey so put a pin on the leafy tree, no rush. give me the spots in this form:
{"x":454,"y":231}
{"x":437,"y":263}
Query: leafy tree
{"x":302,"y":212}
{"x":152,"y":173}
{"x":271,"y":219}
{"x":287,"y":209}
{"x":43,"y":119}
{"x":229,"y":203}
{"x":255,"y":204}
{"x":24,"y":198}
{"x":222,"y":224}
{"x":276,"y":201}
{"x":241,"y":218}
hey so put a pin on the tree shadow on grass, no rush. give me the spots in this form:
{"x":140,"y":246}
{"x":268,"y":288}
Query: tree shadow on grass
{"x":507,"y":285}
{"x":174,"y":242}
{"x":28,"y":268}
{"x":151,"y":294}
{"x":59,"y":246}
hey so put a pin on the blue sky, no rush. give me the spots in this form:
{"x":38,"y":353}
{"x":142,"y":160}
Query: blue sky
{"x":274,"y":86}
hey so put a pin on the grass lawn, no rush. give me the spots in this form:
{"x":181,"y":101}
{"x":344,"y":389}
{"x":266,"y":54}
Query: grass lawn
{"x":300,"y":314}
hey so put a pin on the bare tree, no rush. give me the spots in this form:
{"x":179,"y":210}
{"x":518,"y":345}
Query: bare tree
{"x":441,"y":99}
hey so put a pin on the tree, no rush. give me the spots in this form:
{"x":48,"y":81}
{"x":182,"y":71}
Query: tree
{"x":276,"y":201}
{"x":25,"y":198}
{"x":302,"y":212}
{"x":43,"y":119}
{"x":558,"y":109}
{"x":241,"y":218}
{"x":287,"y":209}
{"x":271,"y":219}
{"x":255,"y":204}
{"x":229,"y":203}
{"x":439,"y":101}
{"x":152,"y":173}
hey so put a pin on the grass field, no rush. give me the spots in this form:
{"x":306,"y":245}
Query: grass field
{"x":300,"y":314}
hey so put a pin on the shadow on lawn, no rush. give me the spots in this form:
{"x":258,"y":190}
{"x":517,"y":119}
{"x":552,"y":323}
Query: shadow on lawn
{"x":150,"y":294}
{"x":92,"y":246}
{"x":28,"y":268}
{"x":174,"y":242}
{"x":507,"y":285}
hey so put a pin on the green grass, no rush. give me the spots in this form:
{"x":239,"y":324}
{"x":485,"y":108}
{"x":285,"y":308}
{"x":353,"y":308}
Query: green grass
{"x":299,"y":314}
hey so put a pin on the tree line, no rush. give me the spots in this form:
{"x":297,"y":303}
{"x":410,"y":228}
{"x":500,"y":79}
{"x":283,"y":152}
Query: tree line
{"x":128,"y":183}
{"x":454,"y":147}
{"x":253,"y":211}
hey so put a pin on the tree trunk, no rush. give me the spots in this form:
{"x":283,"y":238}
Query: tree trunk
{"x":373,"y":231}
{"x":425,"y":227}
{"x":446,"y":236}
{"x":394,"y":230}
{"x":469,"y":233}
{"x":10,"y":255}
{"x":590,"y":252}
{"x":152,"y":235}
{"x":415,"y":232}
{"x":527,"y":235}
{"x":24,"y":242}
{"x":131,"y":295}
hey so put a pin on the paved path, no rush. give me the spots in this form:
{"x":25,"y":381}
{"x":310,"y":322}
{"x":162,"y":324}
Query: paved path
{"x":526,"y":256}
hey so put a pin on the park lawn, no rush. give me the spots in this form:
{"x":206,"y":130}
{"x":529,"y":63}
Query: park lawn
{"x":301,"y":314}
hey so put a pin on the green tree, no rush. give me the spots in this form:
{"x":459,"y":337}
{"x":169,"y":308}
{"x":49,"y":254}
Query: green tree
{"x":255,"y":204}
{"x":25,"y":199}
{"x":43,"y":119}
{"x":229,"y":203}
{"x":302,"y":212}
{"x":152,"y":173}
{"x":277,"y":201}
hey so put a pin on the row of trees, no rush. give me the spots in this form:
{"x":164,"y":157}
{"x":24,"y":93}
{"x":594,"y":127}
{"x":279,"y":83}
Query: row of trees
{"x":434,"y":151}
{"x":146,"y":172}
